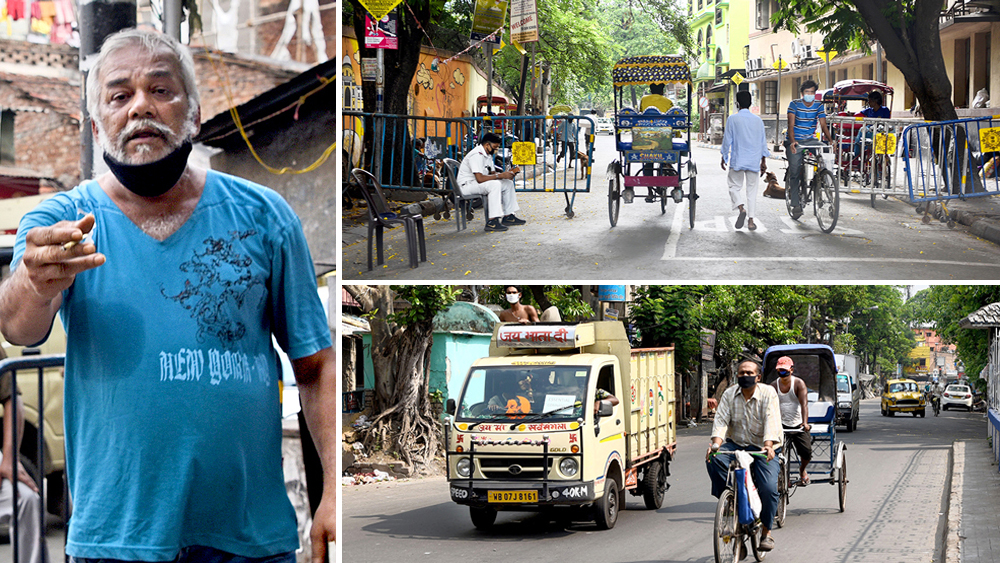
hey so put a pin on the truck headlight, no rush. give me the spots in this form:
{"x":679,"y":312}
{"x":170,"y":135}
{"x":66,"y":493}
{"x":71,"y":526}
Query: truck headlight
{"x":568,"y":466}
{"x":464,"y":467}
{"x":845,"y":406}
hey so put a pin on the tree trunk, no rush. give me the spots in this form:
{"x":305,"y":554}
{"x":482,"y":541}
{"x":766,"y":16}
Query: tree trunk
{"x":538,"y":292}
{"x":403,"y":423}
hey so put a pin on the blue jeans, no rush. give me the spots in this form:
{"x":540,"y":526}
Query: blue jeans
{"x":200,"y":554}
{"x":764,"y":473}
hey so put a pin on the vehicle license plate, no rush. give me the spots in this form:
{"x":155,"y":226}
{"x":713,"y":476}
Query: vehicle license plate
{"x":513,"y":496}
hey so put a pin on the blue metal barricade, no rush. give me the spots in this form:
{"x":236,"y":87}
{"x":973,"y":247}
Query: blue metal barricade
{"x":948,"y":159}
{"x":13,"y":365}
{"x":395,"y":156}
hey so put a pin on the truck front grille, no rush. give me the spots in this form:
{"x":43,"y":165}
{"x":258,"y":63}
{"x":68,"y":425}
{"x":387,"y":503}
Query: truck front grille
{"x":505,"y":467}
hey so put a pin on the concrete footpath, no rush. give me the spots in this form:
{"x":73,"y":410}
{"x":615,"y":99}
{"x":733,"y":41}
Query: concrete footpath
{"x":974,"y":506}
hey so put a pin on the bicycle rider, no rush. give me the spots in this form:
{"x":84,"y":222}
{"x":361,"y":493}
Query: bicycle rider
{"x":793,"y":398}
{"x":748,"y":418}
{"x":803,"y":115}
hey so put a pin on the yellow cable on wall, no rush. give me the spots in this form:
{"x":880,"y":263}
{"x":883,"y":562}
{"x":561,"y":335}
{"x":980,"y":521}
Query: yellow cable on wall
{"x":239,"y":123}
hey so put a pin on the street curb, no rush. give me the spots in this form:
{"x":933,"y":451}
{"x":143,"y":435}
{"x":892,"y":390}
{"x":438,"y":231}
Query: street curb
{"x":953,"y":543}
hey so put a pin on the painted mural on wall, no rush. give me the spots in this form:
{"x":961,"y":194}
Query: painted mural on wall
{"x":439,"y":89}
{"x":47,"y":21}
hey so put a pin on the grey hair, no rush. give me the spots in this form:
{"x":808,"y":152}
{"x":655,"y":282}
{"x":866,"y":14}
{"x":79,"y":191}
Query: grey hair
{"x":150,"y":41}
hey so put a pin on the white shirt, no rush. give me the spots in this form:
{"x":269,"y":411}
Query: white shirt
{"x":475,"y":161}
{"x":746,"y":140}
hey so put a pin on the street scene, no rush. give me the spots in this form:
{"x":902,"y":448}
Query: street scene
{"x":585,"y":420}
{"x":636,"y":150}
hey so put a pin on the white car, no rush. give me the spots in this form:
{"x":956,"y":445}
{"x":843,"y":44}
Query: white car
{"x":957,"y":396}
{"x":605,"y":125}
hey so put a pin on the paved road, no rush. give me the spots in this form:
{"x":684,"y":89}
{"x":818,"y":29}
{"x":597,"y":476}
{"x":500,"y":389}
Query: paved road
{"x":888,"y":242}
{"x":896,"y":510}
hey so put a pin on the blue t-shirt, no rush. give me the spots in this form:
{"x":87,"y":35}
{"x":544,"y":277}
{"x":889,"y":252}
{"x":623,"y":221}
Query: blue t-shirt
{"x":173,"y":429}
{"x":806,"y":118}
{"x":882,"y":112}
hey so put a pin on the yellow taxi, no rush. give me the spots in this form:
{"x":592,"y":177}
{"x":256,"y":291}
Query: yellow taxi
{"x":902,"y":395}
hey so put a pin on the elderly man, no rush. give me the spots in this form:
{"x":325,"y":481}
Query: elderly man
{"x":748,"y":418}
{"x":171,"y":282}
{"x":478,"y":175}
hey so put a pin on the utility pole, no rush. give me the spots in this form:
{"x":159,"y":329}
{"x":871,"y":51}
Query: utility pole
{"x":98,"y":20}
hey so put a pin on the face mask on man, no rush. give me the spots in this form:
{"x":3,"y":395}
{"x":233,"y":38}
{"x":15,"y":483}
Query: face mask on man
{"x":808,"y":98}
{"x":513,"y":298}
{"x":747,"y":381}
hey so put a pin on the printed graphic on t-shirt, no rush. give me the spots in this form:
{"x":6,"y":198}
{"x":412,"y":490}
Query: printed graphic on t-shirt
{"x":220,"y":284}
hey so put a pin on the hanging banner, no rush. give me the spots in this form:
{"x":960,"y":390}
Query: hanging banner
{"x":523,"y":21}
{"x":379,"y":8}
{"x":488,"y":17}
{"x":381,"y":34}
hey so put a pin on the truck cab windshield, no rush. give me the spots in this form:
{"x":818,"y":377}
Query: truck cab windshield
{"x":517,"y":391}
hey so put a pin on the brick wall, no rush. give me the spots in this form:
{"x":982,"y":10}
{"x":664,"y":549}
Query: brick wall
{"x":46,"y":125}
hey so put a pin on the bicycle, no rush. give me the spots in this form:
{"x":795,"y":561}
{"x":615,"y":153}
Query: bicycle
{"x":730,"y":535}
{"x":821,"y":190}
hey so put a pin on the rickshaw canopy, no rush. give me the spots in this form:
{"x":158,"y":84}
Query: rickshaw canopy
{"x":560,"y":109}
{"x":853,"y":90}
{"x":813,"y":363}
{"x":651,"y":69}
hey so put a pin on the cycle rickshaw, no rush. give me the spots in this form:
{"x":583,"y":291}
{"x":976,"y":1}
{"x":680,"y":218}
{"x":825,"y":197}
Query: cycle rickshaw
{"x":856,"y":154}
{"x":646,"y":141}
{"x":814,"y":364}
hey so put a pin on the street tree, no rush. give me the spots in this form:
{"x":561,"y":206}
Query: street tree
{"x":403,"y":424}
{"x":908,"y":31}
{"x":881,"y":335}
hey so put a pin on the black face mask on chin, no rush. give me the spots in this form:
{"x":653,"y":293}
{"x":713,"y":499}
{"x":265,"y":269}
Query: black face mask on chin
{"x":153,"y":178}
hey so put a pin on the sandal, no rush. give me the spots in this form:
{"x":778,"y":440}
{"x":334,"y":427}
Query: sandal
{"x":751,"y":225}
{"x":803,"y":481}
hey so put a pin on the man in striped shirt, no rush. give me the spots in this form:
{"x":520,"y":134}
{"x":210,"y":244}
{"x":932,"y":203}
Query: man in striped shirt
{"x":803,"y":115}
{"x":748,"y":418}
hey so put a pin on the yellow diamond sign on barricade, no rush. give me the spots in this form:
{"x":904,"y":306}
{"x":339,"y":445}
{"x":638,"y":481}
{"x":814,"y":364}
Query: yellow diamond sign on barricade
{"x":885,"y":143}
{"x":379,"y":8}
{"x":989,"y":139}
{"x":524,"y":154}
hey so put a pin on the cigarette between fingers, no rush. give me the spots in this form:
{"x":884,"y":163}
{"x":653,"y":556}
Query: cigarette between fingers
{"x":70,"y":244}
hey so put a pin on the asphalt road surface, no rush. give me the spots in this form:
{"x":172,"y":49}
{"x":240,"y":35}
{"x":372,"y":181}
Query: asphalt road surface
{"x":897,"y":498}
{"x":888,"y":242}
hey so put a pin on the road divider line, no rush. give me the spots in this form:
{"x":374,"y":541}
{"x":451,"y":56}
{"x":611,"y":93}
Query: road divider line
{"x":670,"y":250}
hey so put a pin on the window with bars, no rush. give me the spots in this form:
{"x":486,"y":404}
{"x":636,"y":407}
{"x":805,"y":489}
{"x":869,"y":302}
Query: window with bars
{"x":771,"y":96}
{"x":718,"y":16}
{"x":763,"y":14}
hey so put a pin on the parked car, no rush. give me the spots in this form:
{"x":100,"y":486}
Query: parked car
{"x":605,"y":125}
{"x":848,"y":401}
{"x":903,"y":395}
{"x":957,"y":396}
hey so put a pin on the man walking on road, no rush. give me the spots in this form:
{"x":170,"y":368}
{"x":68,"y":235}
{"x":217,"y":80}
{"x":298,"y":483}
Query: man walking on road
{"x":803,"y":116}
{"x":478,"y":175}
{"x":744,"y":149}
{"x":172,"y":283}
{"x":748,"y":418}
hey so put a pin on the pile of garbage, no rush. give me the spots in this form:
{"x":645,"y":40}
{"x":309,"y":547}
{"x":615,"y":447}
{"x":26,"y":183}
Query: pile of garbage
{"x":375,"y":476}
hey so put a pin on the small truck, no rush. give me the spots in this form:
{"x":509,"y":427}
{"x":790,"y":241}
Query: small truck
{"x":537,"y":427}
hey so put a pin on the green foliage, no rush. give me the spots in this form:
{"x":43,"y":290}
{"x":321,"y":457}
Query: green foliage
{"x":668,"y":315}
{"x":425,"y":301}
{"x":945,"y":306}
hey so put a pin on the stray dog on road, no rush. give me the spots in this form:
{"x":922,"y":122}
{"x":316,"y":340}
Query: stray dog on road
{"x":773,"y":189}
{"x":584,"y":163}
